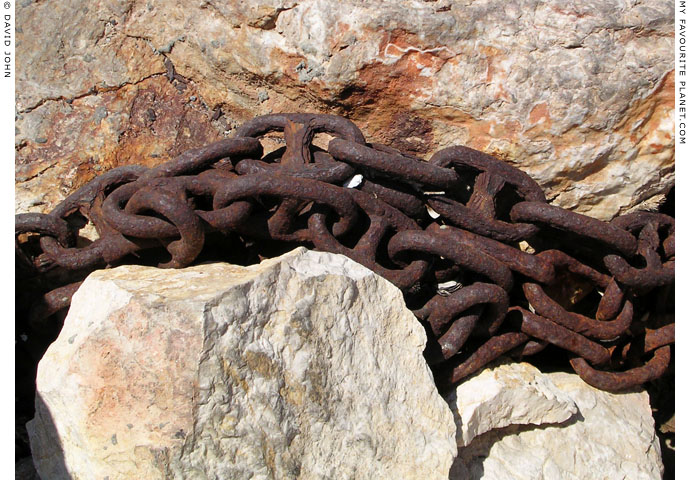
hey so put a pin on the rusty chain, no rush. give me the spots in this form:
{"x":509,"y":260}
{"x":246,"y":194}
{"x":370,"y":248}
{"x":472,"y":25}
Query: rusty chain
{"x":486,"y":264}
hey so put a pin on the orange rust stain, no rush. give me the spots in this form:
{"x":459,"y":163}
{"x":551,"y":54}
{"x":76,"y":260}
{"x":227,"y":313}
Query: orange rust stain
{"x":145,"y":124}
{"x":492,"y":56}
{"x":641,"y":124}
{"x":382,"y":84}
{"x":647,"y":114}
{"x":380,"y":101}
{"x":478,"y":132}
{"x":289,"y":63}
{"x":399,"y":83}
{"x":508,"y":130}
{"x":495,"y":73}
{"x":540,"y":114}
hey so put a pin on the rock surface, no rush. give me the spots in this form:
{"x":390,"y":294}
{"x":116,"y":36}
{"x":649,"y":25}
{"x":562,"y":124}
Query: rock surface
{"x":305,"y":366}
{"x":510,"y":394}
{"x":607,"y":436}
{"x":579,"y":95}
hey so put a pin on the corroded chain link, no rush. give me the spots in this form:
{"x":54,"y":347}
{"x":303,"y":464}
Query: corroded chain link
{"x":487,"y":265}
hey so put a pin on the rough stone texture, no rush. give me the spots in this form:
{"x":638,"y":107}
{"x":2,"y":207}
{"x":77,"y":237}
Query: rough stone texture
{"x":609,"y":436}
{"x":64,"y":145}
{"x":306,"y":366}
{"x":578,"y":94}
{"x":510,"y":394}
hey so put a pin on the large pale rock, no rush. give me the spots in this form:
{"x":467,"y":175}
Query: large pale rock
{"x":509,"y":394}
{"x":578,"y":94}
{"x":306,"y":366}
{"x":609,"y":436}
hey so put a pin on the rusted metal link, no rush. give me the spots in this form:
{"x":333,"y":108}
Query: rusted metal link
{"x":670,"y":244}
{"x":487,"y":352}
{"x":463,"y":157}
{"x":486,"y":188}
{"x":474,"y":260}
{"x":586,"y":227}
{"x":49,"y":304}
{"x":173,"y":206}
{"x":621,"y":381}
{"x":655,"y":273}
{"x":479,"y":215}
{"x":640,"y":277}
{"x":141,"y":226}
{"x":336,"y":172}
{"x":659,"y":337}
{"x":225,"y":219}
{"x":532,"y":347}
{"x":386,"y":149}
{"x":463,"y":309}
{"x":397,"y":167}
{"x":455,"y":337}
{"x":383,"y":218}
{"x":635,"y":221}
{"x":105,"y":250}
{"x":193,"y":160}
{"x":439,"y":311}
{"x":298,"y":188}
{"x":563,"y":261}
{"x":46,"y":225}
{"x":611,"y":302}
{"x":85,"y":196}
{"x":397,"y":195}
{"x":466,"y":218}
{"x":532,"y":266}
{"x":333,"y":124}
{"x":379,"y":207}
{"x":544,"y":329}
{"x":647,"y":342}
{"x":576,"y":322}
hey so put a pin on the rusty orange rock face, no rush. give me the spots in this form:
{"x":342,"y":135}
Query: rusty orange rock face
{"x":571,"y":94}
{"x":146,"y":124}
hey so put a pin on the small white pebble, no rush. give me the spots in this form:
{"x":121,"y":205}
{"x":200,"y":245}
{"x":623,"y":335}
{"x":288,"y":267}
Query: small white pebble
{"x":354,"y":182}
{"x":432,"y":213}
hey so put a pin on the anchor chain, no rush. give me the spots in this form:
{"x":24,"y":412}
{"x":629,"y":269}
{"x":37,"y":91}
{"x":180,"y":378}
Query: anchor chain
{"x":484,"y":261}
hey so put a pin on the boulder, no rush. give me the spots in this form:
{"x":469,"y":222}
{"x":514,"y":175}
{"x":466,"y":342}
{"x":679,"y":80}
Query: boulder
{"x":305,"y":366}
{"x":530,"y":430}
{"x":579,"y":95}
{"x":508,"y":394}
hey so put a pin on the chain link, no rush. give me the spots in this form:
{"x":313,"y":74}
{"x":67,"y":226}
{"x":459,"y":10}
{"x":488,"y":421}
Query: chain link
{"x":447,"y":232}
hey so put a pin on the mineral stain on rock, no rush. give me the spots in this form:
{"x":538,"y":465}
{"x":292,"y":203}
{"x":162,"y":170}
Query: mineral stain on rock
{"x":548,"y":87}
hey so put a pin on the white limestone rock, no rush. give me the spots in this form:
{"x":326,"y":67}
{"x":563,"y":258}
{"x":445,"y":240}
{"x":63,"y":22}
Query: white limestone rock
{"x":306,"y":366}
{"x":611,"y":436}
{"x":508,"y":394}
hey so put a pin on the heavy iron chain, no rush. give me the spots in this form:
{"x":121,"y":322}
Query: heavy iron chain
{"x":447,"y":232}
